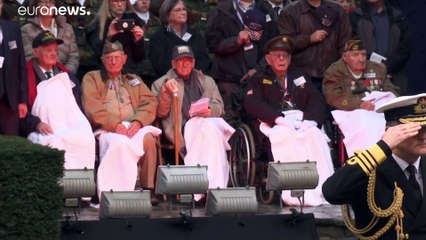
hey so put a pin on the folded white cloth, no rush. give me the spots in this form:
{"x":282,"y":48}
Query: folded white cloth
{"x":55,"y":105}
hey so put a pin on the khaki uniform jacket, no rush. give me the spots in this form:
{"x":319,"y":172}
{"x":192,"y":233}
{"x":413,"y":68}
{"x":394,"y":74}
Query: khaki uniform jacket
{"x":94,"y":89}
{"x":165,"y":107}
{"x":344,"y":92}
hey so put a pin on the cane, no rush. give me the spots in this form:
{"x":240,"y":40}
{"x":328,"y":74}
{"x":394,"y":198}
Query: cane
{"x":176,"y":122}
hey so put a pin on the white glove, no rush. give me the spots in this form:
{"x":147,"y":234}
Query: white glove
{"x":282,"y":121}
{"x":306,"y":124}
{"x":293,"y":114}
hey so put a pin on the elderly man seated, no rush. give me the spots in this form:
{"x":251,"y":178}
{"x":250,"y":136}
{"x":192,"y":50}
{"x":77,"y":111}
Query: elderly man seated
{"x":288,"y":109}
{"x":206,"y":134}
{"x":120,"y":107}
{"x":356,"y":87}
{"x":56,"y":118}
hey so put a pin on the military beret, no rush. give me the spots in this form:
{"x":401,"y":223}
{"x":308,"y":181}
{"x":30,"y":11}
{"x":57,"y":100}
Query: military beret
{"x":278,"y":43}
{"x":354,"y":44}
{"x":110,"y":47}
{"x":45,"y":38}
{"x":405,"y":109}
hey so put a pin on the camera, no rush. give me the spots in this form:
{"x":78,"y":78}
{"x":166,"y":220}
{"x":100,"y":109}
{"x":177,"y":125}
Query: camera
{"x":124,"y":24}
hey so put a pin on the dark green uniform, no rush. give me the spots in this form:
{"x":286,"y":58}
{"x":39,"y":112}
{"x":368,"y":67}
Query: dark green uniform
{"x":10,"y":11}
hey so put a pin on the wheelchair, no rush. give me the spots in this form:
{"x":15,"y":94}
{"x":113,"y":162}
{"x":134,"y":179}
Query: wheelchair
{"x":245,"y":167}
{"x":248,"y":169}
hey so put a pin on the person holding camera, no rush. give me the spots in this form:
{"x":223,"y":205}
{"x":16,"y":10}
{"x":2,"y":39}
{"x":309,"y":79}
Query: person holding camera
{"x":117,"y":21}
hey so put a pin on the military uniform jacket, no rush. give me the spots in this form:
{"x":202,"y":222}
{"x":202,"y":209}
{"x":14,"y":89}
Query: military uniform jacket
{"x":94,"y":88}
{"x":344,"y":92}
{"x":265,"y":97}
{"x":348,"y":185}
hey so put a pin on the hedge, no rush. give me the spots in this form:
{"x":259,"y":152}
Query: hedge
{"x":30,"y":197}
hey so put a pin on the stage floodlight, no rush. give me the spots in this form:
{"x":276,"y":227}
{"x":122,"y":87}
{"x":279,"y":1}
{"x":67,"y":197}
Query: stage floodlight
{"x":125,"y":204}
{"x":78,"y":183}
{"x":294,"y":176}
{"x":231,"y":201}
{"x":173,"y":180}
{"x":181,"y":180}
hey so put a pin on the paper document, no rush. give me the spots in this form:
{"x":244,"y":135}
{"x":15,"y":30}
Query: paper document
{"x":375,"y":57}
{"x":198,"y":106}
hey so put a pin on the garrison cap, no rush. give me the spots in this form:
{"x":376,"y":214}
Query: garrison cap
{"x":110,"y":47}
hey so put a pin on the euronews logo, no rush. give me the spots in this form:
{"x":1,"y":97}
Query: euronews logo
{"x":53,"y":11}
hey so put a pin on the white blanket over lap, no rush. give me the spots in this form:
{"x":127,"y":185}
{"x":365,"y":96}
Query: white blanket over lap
{"x":206,"y":142}
{"x":55,"y":105}
{"x":290,"y":145}
{"x":362,"y":128}
{"x":119,"y":155}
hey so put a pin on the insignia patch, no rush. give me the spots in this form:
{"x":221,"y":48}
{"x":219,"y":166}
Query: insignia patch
{"x":267,"y":81}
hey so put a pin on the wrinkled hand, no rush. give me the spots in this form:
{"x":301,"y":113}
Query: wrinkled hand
{"x":243,"y":38}
{"x":367,"y":105}
{"x":318,"y":36}
{"x":397,"y":134}
{"x":171,"y":85}
{"x":111,"y":29}
{"x":121,"y":129}
{"x":133,"y":128}
{"x":306,"y":124}
{"x":137,"y":33}
{"x":23,"y":110}
{"x":44,"y":128}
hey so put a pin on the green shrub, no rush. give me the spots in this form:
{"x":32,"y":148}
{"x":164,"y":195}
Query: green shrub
{"x":30,"y":197}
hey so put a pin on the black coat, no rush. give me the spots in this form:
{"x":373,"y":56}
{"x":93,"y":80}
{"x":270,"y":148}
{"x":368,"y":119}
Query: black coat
{"x":265,"y":97}
{"x":132,"y":48}
{"x":162,"y":43}
{"x":14,"y":67}
{"x":348,"y":185}
{"x":231,"y":61}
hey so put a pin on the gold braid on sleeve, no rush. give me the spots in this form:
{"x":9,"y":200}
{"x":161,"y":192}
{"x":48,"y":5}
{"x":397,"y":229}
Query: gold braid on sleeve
{"x":394,"y":213}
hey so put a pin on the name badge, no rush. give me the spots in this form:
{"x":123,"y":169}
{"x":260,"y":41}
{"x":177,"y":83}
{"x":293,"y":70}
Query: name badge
{"x":134,"y":82}
{"x":267,"y":81}
{"x":12,"y":44}
{"x":300,"y":81}
{"x":268,"y":18}
{"x":370,"y":75}
{"x":186,"y":37}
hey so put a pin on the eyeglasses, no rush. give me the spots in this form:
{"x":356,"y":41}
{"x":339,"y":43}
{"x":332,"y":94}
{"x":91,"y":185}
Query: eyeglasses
{"x":178,"y":10}
{"x":280,"y":55}
{"x":112,"y":58}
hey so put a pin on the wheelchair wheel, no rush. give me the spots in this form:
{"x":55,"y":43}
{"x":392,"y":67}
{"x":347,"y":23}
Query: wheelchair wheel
{"x":242,"y":167}
{"x":265,"y":197}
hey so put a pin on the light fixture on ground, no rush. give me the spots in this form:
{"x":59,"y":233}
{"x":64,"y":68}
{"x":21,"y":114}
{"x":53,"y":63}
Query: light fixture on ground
{"x":175,"y":180}
{"x":231,"y":201}
{"x":77,"y":183}
{"x":125,"y":204}
{"x":294,"y":176}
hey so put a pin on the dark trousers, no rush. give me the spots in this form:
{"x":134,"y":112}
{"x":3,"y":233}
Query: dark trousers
{"x":9,"y":119}
{"x":233,"y":99}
